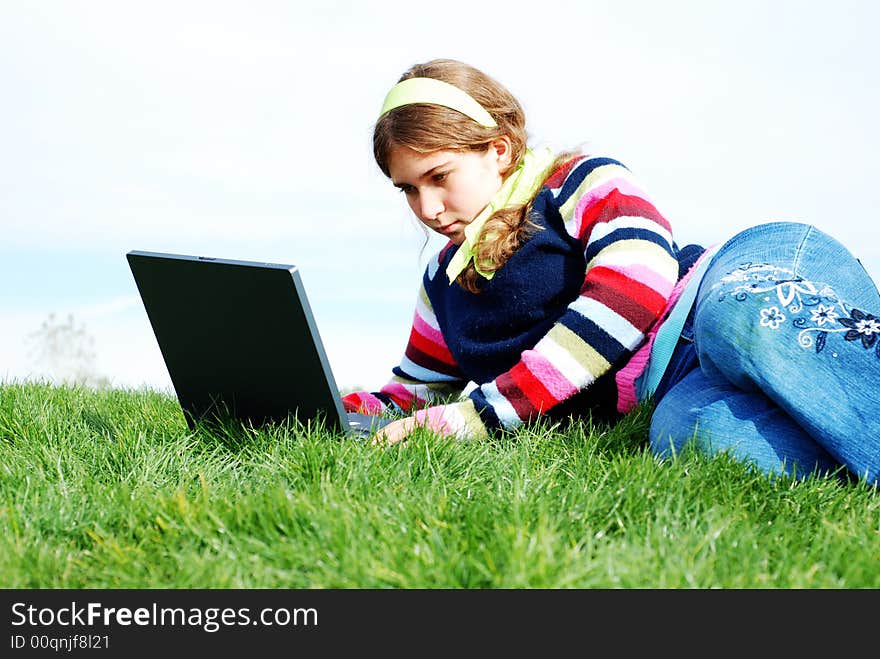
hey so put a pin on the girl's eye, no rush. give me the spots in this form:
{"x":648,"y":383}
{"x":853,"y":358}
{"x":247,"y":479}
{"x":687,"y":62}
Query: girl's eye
{"x":440,"y":177}
{"x":406,"y":189}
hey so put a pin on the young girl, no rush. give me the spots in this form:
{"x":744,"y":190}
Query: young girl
{"x":562,"y":293}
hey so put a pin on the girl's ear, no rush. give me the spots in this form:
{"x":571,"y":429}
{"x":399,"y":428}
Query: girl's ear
{"x":502,"y":149}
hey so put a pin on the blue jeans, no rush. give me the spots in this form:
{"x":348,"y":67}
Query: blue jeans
{"x":786,"y":333}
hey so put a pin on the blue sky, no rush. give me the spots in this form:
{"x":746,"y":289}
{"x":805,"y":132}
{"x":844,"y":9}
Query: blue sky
{"x":241,"y":130}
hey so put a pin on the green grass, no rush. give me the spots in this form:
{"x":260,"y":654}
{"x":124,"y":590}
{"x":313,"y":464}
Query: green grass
{"x":110,"y":489}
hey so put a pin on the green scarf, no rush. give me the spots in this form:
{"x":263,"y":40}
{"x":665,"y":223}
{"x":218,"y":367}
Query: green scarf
{"x":517,"y":190}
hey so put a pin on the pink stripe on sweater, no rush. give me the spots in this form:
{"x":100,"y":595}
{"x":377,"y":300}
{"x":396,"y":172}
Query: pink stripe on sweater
{"x":404,"y":396}
{"x":432,"y":417}
{"x":596,"y":195}
{"x":548,"y":375}
{"x":644,"y":275}
{"x":427,"y":331}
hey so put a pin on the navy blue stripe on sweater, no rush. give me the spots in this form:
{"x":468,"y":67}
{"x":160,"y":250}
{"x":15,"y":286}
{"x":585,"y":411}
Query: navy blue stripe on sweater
{"x":626,"y":233}
{"x":577,"y":176}
{"x":601,"y":341}
{"x":485,"y":410}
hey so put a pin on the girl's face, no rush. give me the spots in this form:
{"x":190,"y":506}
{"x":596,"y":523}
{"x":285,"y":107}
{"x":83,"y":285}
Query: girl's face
{"x":447,"y":189}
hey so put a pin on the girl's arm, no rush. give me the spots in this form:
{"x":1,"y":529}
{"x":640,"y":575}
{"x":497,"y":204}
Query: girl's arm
{"x":427,"y":373}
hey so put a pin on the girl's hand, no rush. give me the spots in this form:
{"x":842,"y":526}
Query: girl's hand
{"x":394,"y":432}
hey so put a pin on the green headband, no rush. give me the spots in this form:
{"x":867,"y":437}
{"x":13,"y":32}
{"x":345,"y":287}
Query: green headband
{"x":436,"y":92}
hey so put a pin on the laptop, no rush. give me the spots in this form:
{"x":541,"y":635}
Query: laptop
{"x":240,"y":342}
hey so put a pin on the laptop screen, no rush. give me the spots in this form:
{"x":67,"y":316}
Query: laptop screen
{"x":238,"y":339}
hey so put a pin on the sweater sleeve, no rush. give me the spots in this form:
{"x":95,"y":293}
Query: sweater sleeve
{"x":630,"y":272}
{"x":426,"y":375}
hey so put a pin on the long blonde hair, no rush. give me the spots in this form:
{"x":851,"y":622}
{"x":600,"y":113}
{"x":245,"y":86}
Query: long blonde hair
{"x":426,"y":128}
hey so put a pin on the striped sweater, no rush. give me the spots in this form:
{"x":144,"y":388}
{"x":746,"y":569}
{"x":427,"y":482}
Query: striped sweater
{"x":547,"y":333}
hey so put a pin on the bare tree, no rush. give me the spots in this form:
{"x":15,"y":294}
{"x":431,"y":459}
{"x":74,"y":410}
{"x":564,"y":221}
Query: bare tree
{"x":66,"y":352}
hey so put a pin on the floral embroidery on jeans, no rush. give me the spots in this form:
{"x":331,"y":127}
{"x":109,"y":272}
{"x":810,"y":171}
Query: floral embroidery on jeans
{"x":828,"y":314}
{"x":862,"y":326}
{"x":771,"y":317}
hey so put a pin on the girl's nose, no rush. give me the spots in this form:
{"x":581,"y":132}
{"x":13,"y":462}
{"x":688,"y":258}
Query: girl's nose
{"x":430,"y":206}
